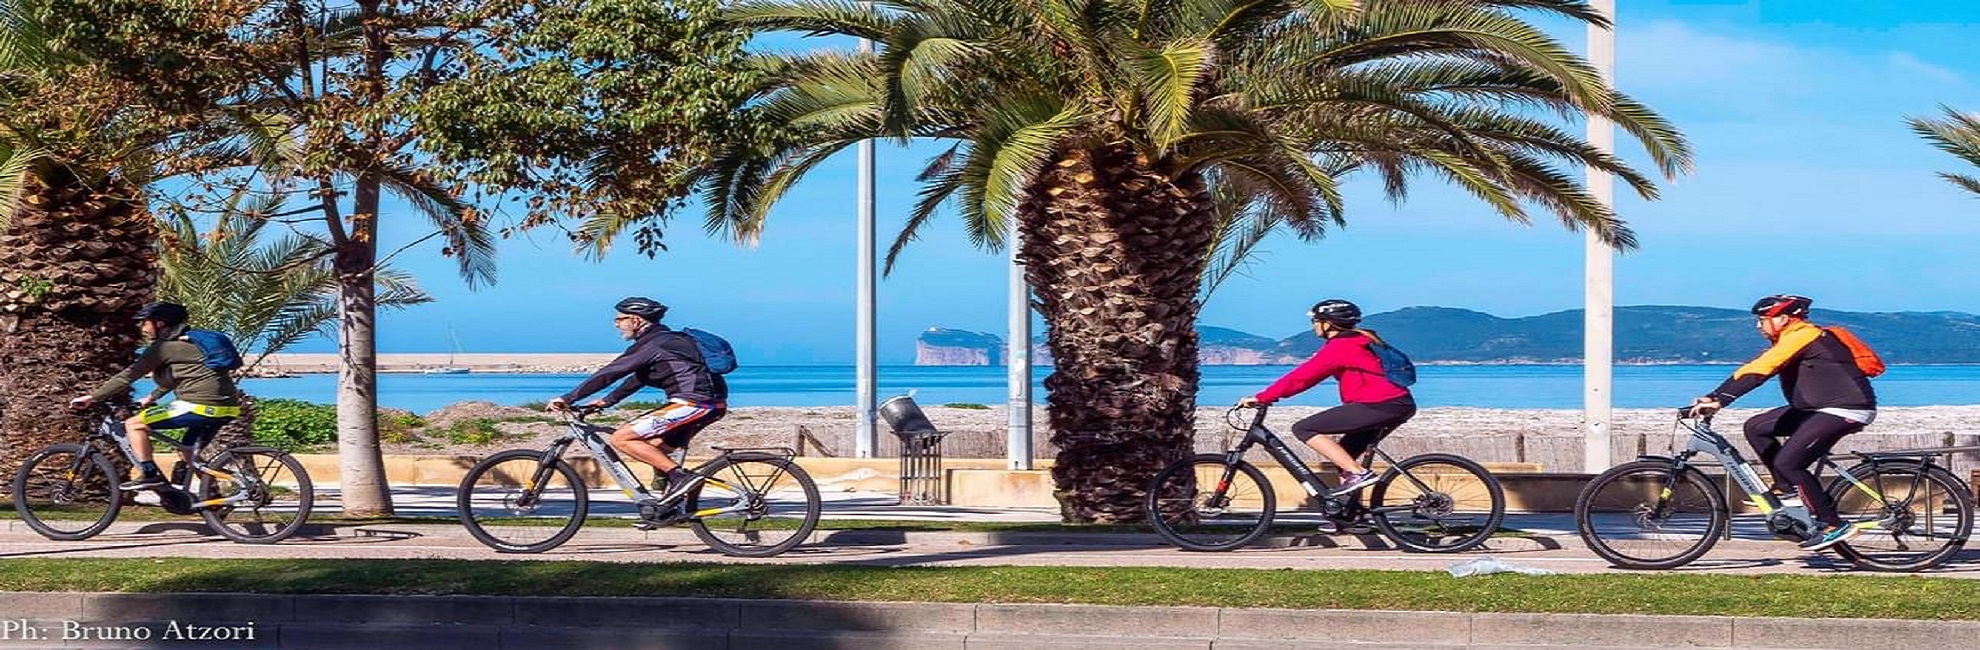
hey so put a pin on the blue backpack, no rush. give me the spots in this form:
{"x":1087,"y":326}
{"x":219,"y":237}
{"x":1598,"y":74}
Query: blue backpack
{"x":1396,"y":366}
{"x":216,"y":350}
{"x":716,"y":354}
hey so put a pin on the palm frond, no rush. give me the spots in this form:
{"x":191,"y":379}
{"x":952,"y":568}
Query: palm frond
{"x":469,"y":240}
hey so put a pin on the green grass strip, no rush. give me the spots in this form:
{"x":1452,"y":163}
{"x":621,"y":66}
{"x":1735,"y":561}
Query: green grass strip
{"x":1890,"y":597}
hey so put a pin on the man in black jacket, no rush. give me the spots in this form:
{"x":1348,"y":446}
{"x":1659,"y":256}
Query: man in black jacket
{"x":665,"y":359}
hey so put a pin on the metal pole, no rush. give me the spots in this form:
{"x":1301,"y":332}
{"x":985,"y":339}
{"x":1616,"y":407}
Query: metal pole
{"x":866,"y":383}
{"x":1018,"y":445}
{"x":1598,"y":291}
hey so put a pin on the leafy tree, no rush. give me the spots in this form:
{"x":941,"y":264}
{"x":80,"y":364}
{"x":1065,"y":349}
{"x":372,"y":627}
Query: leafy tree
{"x":583,"y":106}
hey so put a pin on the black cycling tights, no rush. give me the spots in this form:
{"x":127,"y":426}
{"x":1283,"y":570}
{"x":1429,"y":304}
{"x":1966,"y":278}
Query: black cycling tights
{"x":1789,"y":441}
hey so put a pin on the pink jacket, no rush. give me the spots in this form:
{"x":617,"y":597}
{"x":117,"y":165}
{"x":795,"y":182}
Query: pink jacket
{"x":1345,"y":358}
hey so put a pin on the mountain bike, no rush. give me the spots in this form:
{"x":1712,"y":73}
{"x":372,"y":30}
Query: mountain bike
{"x":1660,"y":512}
{"x":744,"y":502}
{"x":248,"y":494}
{"x":1434,"y":503}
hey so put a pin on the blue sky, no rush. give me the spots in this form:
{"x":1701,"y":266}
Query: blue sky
{"x":1807,"y":181}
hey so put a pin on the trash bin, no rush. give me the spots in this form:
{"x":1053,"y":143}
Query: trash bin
{"x":921,"y":451}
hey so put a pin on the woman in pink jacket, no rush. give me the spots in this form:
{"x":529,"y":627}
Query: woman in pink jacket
{"x":1371,"y":405}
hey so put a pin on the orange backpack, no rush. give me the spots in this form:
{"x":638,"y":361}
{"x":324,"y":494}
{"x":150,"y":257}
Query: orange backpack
{"x":1866,"y":358}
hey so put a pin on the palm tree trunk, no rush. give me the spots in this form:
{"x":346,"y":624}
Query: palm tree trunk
{"x":361,"y":463}
{"x":75,"y":264}
{"x":1114,"y":248}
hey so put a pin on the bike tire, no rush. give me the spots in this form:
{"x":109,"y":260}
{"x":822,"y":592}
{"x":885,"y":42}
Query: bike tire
{"x":88,"y":482}
{"x":1454,"y":504}
{"x":280,"y":500}
{"x":1620,"y":520}
{"x":1234,"y":514}
{"x":1915,"y":497}
{"x":780,"y":501}
{"x":500,"y":497}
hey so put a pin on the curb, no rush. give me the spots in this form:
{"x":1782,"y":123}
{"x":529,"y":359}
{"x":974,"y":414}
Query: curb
{"x":495,"y":622}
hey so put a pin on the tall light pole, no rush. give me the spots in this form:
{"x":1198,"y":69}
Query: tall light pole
{"x":866,"y":375}
{"x":1598,"y":287}
{"x":1017,"y":447}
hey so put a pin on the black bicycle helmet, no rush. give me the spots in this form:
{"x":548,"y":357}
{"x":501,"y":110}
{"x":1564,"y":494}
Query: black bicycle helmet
{"x":169,"y":313}
{"x":646,"y":308}
{"x":1782,"y":305}
{"x":1338,"y":312}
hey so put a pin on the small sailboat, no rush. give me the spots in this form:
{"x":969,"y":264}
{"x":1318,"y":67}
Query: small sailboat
{"x":450,"y":368}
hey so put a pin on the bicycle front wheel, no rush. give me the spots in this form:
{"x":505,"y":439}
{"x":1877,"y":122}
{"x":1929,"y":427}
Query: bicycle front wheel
{"x":1437,"y":503}
{"x":754,"y":505}
{"x":1207,"y":503}
{"x":67,"y":492}
{"x":271,"y":492}
{"x":1648,"y":515}
{"x":515,"y":503}
{"x":1918,"y":518}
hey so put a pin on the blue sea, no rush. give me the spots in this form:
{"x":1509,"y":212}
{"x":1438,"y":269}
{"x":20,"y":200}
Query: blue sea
{"x":1510,"y":386}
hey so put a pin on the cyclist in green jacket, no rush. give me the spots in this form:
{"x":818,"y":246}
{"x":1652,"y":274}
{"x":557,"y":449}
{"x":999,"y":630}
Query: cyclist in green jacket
{"x":207,"y":398}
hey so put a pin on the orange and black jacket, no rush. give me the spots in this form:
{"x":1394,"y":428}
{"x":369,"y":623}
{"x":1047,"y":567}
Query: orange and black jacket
{"x":1816,"y":371}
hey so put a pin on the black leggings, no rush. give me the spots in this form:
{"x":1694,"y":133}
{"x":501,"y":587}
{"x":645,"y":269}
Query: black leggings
{"x":1790,"y":440}
{"x":1360,"y":425}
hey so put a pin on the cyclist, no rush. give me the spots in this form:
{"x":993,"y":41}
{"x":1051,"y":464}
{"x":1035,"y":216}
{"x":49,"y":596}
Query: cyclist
{"x":207,"y":399}
{"x":1371,"y":405}
{"x":1828,"y":398}
{"x":665,"y":359}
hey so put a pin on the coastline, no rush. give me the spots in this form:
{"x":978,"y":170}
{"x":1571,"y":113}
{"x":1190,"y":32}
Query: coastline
{"x":583,"y":362}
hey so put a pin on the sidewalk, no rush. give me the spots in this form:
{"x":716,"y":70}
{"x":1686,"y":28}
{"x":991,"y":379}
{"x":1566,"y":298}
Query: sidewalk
{"x":1545,"y":540}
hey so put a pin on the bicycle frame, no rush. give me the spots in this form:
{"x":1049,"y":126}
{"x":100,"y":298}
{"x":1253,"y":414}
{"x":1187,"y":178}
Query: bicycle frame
{"x":1707,"y":441}
{"x":112,"y":428}
{"x":593,"y":437}
{"x":1308,"y":480}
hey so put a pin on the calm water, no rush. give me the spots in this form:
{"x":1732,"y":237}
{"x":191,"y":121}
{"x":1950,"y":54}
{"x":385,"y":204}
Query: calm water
{"x":1557,"y":387}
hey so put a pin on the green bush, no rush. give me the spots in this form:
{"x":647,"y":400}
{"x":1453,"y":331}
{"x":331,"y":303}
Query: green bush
{"x":399,"y":428}
{"x":475,"y":431}
{"x":966,"y":405}
{"x":294,"y":425}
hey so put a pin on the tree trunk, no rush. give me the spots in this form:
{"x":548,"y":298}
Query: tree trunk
{"x":237,"y":433}
{"x":361,"y":463}
{"x":76,"y":263}
{"x":1114,"y":248}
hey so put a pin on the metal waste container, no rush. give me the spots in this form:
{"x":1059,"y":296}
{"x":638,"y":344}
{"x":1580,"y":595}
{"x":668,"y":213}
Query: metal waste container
{"x":921,"y":451}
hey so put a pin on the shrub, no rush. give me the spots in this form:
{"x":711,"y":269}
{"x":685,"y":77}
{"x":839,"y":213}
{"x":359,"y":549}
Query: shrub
{"x":294,"y":425}
{"x":966,"y":405}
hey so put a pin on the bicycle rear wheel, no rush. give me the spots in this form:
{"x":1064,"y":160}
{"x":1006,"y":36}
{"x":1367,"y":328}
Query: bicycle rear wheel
{"x":1647,"y":515}
{"x":278,"y":495}
{"x":515,"y":503}
{"x":67,"y":491}
{"x":754,"y":505}
{"x":1207,"y":503}
{"x":1437,"y":503}
{"x":1921,"y":520}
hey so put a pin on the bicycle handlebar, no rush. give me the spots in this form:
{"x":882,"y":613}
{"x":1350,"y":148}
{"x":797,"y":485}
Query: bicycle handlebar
{"x":1256,"y":420}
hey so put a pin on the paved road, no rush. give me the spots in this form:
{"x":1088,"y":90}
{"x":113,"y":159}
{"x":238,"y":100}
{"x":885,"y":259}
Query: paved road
{"x":1551,"y":544}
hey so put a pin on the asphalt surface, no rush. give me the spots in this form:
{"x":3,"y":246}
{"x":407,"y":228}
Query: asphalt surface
{"x":1544,"y":541}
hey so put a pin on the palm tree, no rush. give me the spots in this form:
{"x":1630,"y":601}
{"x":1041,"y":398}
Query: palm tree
{"x":1957,"y":134}
{"x":265,"y":295}
{"x":75,"y":235}
{"x":1110,"y":130}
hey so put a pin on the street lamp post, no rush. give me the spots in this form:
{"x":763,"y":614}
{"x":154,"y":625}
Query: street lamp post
{"x":1598,"y":291}
{"x":866,"y":382}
